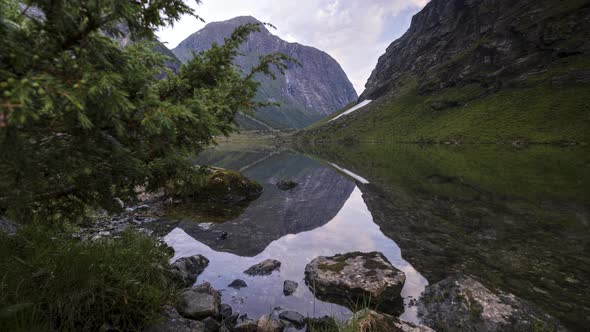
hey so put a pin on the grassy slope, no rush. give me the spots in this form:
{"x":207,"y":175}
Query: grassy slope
{"x":532,"y":109}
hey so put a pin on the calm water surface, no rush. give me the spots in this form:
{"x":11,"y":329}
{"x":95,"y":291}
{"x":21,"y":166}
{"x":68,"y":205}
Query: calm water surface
{"x":517,"y":220}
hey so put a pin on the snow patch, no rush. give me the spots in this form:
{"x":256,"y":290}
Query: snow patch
{"x":356,"y":108}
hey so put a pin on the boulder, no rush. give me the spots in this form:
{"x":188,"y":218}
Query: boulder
{"x":356,"y":278}
{"x":211,"y":325}
{"x":186,"y":270}
{"x":370,"y":321}
{"x":289,"y":287}
{"x":268,"y":324}
{"x":199,"y":302}
{"x":266,"y":267}
{"x":176,"y":323}
{"x":286,"y":185}
{"x":237,"y":284}
{"x":462,"y":302}
{"x":293,"y":317}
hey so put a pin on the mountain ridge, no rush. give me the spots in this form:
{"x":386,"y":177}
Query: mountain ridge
{"x":479,"y":71}
{"x":306,"y":94}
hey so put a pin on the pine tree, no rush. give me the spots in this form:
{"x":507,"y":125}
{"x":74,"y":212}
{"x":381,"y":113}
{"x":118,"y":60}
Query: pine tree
{"x":83,"y":120}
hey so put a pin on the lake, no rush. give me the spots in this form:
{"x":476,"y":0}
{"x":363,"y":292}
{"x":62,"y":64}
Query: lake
{"x":517,"y":219}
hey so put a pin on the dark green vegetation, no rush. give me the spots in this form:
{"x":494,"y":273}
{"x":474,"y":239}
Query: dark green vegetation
{"x":511,"y":72}
{"x":515,"y":218}
{"x":51,"y":281}
{"x":85,"y":122}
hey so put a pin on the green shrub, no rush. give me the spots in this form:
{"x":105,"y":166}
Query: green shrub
{"x":51,"y":281}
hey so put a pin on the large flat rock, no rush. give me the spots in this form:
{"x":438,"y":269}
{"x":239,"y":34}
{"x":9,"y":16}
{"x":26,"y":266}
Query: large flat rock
{"x":356,"y":279}
{"x":199,"y":302}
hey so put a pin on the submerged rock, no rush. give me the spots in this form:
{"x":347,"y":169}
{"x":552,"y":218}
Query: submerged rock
{"x":461,"y":302}
{"x":7,"y":226}
{"x":286,"y":185}
{"x":186,"y":270}
{"x":371,"y":321}
{"x":356,"y":278}
{"x":199,"y":302}
{"x":266,"y":267}
{"x":237,"y":284}
{"x":176,"y":323}
{"x":289,"y":287}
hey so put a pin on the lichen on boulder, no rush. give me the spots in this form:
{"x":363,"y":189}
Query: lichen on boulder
{"x":461,"y":302}
{"x":355,"y":279}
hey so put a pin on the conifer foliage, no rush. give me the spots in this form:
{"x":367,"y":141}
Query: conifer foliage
{"x":84,"y":120}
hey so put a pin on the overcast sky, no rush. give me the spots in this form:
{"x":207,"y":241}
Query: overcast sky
{"x":354,"y":32}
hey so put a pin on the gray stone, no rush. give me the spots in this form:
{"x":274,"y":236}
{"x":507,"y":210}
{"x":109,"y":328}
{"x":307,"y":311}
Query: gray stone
{"x":268,"y":324}
{"x":266,"y":267}
{"x":225,"y":310}
{"x":289,"y":287}
{"x":231,"y":320}
{"x":199,"y":302}
{"x":211,"y":325}
{"x":293,"y":317}
{"x":176,"y":323}
{"x":186,"y":270}
{"x":356,"y":278}
{"x":462,"y":302}
{"x":237,"y":284}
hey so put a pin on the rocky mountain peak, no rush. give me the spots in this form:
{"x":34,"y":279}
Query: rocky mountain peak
{"x":306,"y":93}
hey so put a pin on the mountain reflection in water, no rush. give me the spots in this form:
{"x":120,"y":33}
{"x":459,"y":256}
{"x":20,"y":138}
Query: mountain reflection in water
{"x":323,"y":216}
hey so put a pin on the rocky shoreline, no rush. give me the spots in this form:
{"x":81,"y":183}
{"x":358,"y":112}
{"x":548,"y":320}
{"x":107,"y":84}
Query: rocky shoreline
{"x":367,"y":283}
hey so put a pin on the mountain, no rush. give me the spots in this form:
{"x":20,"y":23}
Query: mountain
{"x":511,"y":71}
{"x":306,"y":94}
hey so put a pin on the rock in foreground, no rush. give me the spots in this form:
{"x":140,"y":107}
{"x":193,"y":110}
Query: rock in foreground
{"x":186,"y":270}
{"x":461,"y":302}
{"x":356,"y":278}
{"x":176,"y":323}
{"x":263,"y":268}
{"x":199,"y":302}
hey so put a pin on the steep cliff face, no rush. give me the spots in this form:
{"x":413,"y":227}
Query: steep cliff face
{"x":455,"y":42}
{"x":480,"y":71}
{"x":306,"y":94}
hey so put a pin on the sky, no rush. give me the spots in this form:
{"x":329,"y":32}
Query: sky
{"x":354,"y":32}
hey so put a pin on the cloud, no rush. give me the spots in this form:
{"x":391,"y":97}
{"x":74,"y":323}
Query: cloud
{"x":354,"y":32}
